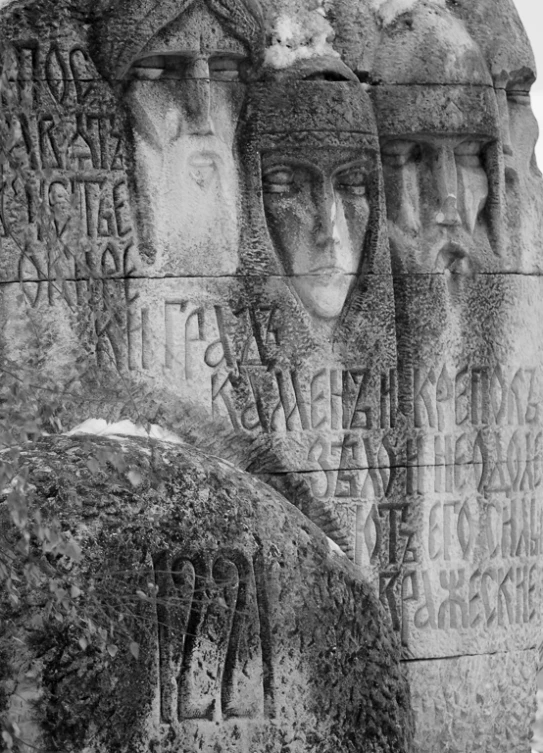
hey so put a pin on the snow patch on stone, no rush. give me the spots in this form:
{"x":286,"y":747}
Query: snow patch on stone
{"x":537,"y":742}
{"x":335,"y":548}
{"x":300,"y":36}
{"x":537,"y":107}
{"x":389,"y":10}
{"x":100,"y":427}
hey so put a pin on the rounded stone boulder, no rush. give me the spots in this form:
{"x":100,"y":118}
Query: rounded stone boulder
{"x":202,"y":613}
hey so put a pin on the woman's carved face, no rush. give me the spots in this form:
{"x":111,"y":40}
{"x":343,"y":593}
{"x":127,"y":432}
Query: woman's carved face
{"x":317,"y":212}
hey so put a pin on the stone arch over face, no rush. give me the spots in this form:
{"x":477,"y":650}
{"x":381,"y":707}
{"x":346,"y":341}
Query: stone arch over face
{"x":120,"y":32}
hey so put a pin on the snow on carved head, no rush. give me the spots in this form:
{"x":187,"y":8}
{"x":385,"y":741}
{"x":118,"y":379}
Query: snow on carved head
{"x":389,"y":10}
{"x":299,"y":36}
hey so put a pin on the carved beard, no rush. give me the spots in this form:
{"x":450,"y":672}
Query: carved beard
{"x":435,"y":284}
{"x":443,"y":249}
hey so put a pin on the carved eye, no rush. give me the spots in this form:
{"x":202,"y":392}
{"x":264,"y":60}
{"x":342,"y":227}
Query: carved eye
{"x":160,"y":67}
{"x":518,"y":97}
{"x":224,"y":68}
{"x":352,"y":181}
{"x":469,"y":153}
{"x":397,"y":153}
{"x":278,"y":180}
{"x":149,"y":69}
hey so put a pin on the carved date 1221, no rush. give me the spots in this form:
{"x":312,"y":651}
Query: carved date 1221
{"x":213,"y":645}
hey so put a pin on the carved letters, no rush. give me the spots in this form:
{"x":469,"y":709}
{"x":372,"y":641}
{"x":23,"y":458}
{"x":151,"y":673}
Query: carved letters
{"x":64,"y":200}
{"x":327,"y":399}
{"x":476,"y":397}
{"x":472,"y":463}
{"x":487,"y":598}
{"x":30,"y":72}
{"x":65,"y":219}
{"x":433,"y":465}
{"x":212,"y":616}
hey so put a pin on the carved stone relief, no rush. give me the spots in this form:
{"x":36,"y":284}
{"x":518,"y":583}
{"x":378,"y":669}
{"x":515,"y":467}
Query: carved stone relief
{"x":253,"y":637}
{"x":321,"y":226}
{"x":182,"y":92}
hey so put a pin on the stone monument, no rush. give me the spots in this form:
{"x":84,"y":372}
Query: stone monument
{"x":256,"y":633}
{"x":308,"y":234}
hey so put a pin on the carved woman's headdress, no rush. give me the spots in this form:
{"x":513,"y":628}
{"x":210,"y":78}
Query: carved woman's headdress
{"x":320,"y":105}
{"x":327,"y":109}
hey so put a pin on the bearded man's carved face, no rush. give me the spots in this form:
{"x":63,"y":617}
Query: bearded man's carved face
{"x":183,"y":102}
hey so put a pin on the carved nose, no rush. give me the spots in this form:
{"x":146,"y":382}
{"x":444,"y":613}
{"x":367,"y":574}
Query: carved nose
{"x":199,"y":69}
{"x":327,"y":236}
{"x":448,"y":214}
{"x":447,"y":186}
{"x":503,"y":107}
{"x":198,"y":99}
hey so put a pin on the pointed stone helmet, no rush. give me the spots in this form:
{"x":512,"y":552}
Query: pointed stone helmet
{"x":123,"y":27}
{"x":319,"y":102}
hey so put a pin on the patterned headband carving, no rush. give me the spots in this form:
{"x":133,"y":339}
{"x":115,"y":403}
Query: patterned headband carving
{"x":401,"y":110}
{"x":310,"y":113}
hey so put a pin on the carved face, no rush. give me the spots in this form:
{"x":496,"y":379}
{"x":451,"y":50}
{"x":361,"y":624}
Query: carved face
{"x":184,"y":100}
{"x":189,"y":72}
{"x":317,"y":212}
{"x":436,"y":188}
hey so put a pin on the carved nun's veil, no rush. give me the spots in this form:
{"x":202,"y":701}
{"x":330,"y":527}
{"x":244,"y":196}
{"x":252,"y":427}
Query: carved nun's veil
{"x":319,"y":105}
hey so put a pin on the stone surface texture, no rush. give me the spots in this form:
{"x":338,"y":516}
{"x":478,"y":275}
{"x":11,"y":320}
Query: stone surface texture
{"x":306,"y":236}
{"x":260,"y":633}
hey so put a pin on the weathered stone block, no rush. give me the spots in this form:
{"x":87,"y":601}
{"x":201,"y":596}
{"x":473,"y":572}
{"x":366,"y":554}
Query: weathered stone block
{"x":306,"y":236}
{"x":257,"y":632}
